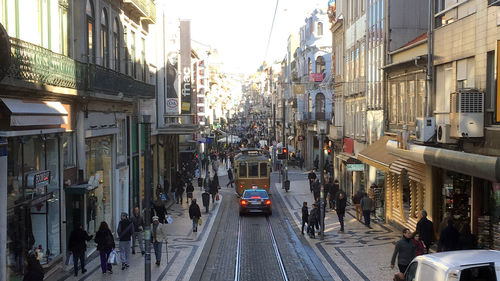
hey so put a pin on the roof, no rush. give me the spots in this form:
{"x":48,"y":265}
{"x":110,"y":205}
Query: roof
{"x":455,"y":259}
{"x":376,"y":154}
{"x":255,"y":154}
{"x":419,"y":38}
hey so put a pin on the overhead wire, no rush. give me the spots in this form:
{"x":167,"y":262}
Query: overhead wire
{"x":271,"y":31}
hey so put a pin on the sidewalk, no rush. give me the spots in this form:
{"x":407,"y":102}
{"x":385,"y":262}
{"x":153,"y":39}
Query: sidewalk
{"x":184,"y":249}
{"x":360,"y":253}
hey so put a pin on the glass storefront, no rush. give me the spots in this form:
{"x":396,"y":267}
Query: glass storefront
{"x":456,"y":195}
{"x":33,"y":216}
{"x":99,"y":155}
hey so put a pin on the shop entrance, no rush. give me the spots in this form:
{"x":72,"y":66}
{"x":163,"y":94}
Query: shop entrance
{"x":74,"y":212}
{"x":456,"y":198}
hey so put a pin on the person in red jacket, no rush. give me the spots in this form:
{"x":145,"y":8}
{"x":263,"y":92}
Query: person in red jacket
{"x":419,"y":245}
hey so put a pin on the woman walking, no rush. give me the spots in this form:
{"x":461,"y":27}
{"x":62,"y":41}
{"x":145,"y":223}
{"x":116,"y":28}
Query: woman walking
{"x":194,"y":214}
{"x":105,"y":244}
{"x":34,"y":271}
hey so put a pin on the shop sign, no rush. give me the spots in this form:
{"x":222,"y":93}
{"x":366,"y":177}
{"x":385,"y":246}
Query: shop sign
{"x":298,"y":89}
{"x":348,"y":145}
{"x":38,"y":179}
{"x":355,"y":167}
{"x":315,"y":77}
{"x":300,"y":138}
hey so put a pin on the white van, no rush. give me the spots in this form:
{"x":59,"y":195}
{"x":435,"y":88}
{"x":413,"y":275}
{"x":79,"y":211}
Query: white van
{"x":467,"y":265}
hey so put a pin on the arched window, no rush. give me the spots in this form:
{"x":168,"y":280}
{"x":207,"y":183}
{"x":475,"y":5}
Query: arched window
{"x":90,"y":32}
{"x":104,"y":38}
{"x":320,"y":106}
{"x":309,"y":106}
{"x":309,"y":66}
{"x":320,"y":64}
{"x":320,"y":29}
{"x":116,"y":44}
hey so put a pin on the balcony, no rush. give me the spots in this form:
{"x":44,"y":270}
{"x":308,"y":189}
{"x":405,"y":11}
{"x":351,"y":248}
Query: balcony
{"x":34,"y":66}
{"x":111,"y":82}
{"x":145,"y":9}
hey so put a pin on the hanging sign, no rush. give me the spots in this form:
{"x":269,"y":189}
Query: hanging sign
{"x":38,"y":179}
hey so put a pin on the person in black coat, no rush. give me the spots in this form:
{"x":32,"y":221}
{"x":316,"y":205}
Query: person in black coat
{"x":230,"y":177}
{"x":425,"y":229}
{"x":125,"y":232}
{"x":105,"y":244}
{"x":312,"y":178}
{"x":448,"y":238}
{"x":78,"y":246}
{"x":316,"y":190}
{"x":331,"y":193}
{"x":305,"y":215}
{"x":340,"y":208}
{"x":34,"y":271}
{"x":313,"y":220}
{"x":194,"y":214}
{"x":214,"y":188}
{"x":189,"y":192}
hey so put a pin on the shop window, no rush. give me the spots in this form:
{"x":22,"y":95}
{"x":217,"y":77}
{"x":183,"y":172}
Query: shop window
{"x":405,"y":184}
{"x":393,"y":103}
{"x":68,"y":150}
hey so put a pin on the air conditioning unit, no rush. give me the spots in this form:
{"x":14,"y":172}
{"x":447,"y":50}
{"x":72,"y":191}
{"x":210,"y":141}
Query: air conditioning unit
{"x":443,"y":134}
{"x":425,"y":129}
{"x":467,"y":114}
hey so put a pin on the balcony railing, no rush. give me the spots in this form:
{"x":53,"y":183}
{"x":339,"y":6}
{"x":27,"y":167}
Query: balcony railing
{"x":34,"y":64}
{"x":142,"y":8}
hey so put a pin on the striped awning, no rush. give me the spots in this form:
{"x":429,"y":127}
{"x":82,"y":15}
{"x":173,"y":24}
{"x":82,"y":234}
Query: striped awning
{"x":414,"y":170}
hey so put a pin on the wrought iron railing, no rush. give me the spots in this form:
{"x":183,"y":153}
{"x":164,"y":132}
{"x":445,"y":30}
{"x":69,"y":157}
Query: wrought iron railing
{"x":36,"y":64}
{"x":146,"y":7}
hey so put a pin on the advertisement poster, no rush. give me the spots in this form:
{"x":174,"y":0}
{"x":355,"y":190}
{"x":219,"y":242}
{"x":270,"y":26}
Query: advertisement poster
{"x":186,"y":75}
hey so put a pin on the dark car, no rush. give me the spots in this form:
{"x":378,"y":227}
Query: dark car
{"x":255,"y":201}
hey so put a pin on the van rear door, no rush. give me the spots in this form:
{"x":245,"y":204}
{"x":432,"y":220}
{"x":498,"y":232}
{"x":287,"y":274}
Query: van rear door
{"x":483,"y":272}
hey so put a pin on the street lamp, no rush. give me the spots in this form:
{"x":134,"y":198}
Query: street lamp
{"x":322,"y":126}
{"x":147,"y":196}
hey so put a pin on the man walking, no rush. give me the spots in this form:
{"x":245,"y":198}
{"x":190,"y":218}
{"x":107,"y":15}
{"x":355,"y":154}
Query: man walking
{"x":425,"y":229}
{"x":316,"y":190}
{"x":404,"y":250}
{"x":194,"y":214}
{"x":138,"y":221}
{"x":340,"y":208}
{"x":158,"y":235}
{"x":305,"y":216}
{"x":230,"y":177}
{"x":366,"y":207}
{"x":311,"y":177}
{"x":356,"y":200}
{"x":125,"y":231}
{"x":78,"y":247}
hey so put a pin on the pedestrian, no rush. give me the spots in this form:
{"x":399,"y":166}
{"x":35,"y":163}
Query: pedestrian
{"x":160,"y":210}
{"x":313,"y":221}
{"x":316,"y":162}
{"x":356,"y":200}
{"x":340,"y":208}
{"x":448,"y":238}
{"x":105,"y":244}
{"x":419,"y":245}
{"x":175,"y":186}
{"x":367,"y":207}
{"x":125,"y":231}
{"x":139,"y":225}
{"x":78,"y":246}
{"x":213,"y":187}
{"x":194,"y":214}
{"x":467,"y":240}
{"x":444,"y":222}
{"x":216,"y":179}
{"x":230,"y":177}
{"x":158,"y":235}
{"x":189,"y":192}
{"x":331,"y":194}
{"x":179,"y":191}
{"x":305,"y":216}
{"x":425,"y":229}
{"x":312,"y":178}
{"x":336,"y":189}
{"x":316,"y":190}
{"x":34,"y":271}
{"x":404,"y":250}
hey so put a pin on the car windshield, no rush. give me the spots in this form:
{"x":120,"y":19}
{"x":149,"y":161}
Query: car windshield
{"x":255,"y":193}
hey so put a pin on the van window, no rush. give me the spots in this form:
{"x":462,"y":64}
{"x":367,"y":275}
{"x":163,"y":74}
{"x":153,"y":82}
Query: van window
{"x":478,"y":273}
{"x":411,"y":272}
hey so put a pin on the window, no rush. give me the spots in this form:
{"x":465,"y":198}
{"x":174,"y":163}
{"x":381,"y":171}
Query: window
{"x":363,"y":118}
{"x":243,"y":170}
{"x":253,"y":169}
{"x":402,"y":103}
{"x":116,"y":44}
{"x":143,"y":60}
{"x":90,"y":32}
{"x":356,"y":63}
{"x":64,"y":30}
{"x":263,"y":169}
{"x":104,"y":38}
{"x":132,"y":55}
{"x":320,"y":64}
{"x":479,"y":273}
{"x":309,"y":104}
{"x":393,"y":103}
{"x":362,"y":61}
{"x":420,"y":98}
{"x":411,"y":101}
{"x":320,"y":106}
{"x":309,"y":66}
{"x":127,"y":56}
{"x":411,"y":272}
{"x":68,"y":151}
{"x":320,"y":29}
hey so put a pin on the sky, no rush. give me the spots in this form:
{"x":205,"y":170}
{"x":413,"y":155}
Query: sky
{"x":239,"y":29}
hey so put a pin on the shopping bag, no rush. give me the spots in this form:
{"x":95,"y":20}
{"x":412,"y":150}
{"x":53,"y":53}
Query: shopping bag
{"x":217,"y":197}
{"x":113,"y":258}
{"x":169,"y":220}
{"x":69,"y":260}
{"x":199,"y":221}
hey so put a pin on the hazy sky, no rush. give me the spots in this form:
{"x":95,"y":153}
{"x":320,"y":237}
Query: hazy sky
{"x":240,"y":29}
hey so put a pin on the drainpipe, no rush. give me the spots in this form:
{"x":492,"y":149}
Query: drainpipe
{"x":428,"y":76}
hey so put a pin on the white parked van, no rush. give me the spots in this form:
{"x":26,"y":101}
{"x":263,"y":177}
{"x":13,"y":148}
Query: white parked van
{"x":467,"y":265}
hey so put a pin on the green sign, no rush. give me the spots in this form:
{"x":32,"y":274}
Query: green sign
{"x":355,"y":167}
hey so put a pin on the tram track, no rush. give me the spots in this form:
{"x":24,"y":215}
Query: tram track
{"x":238,"y":273}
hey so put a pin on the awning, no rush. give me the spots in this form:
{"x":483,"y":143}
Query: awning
{"x":376,"y":155}
{"x":414,"y":170}
{"x":35,"y":113}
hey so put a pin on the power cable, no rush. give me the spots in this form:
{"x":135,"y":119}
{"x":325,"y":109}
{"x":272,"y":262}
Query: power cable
{"x":271,"y":31}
